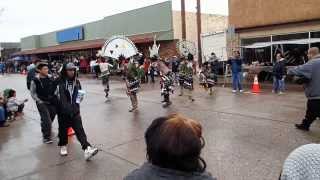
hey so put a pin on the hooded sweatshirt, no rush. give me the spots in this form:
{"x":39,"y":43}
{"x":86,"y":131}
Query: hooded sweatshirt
{"x":67,"y":92}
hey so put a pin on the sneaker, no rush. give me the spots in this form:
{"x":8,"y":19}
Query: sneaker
{"x":280,"y":93}
{"x":63,"y":151}
{"x":234,"y":91}
{"x":302,"y":127}
{"x":90,"y":152}
{"x":133,"y":109}
{"x":241,"y":91}
{"x":47,"y":141}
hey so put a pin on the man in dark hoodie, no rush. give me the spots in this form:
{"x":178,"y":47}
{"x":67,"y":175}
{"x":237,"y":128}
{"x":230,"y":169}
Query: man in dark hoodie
{"x":42,"y":90}
{"x":69,"y":95}
{"x":311,"y":74}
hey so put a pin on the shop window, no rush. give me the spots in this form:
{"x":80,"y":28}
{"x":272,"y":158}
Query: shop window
{"x":290,"y":37}
{"x":261,"y":55}
{"x":315,"y":35}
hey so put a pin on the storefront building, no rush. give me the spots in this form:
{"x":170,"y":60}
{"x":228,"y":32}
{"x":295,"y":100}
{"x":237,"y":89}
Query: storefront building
{"x":264,"y":28}
{"x":139,"y":25}
{"x":8,"y":48}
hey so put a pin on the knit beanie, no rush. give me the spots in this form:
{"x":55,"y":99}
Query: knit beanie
{"x":303,"y":164}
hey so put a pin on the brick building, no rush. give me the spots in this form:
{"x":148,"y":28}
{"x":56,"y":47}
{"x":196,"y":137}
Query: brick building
{"x":139,"y":25}
{"x":263,"y":28}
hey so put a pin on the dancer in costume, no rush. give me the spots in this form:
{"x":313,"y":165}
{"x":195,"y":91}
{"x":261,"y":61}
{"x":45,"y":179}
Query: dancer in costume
{"x":207,"y":77}
{"x":133,"y":84}
{"x":105,"y":73}
{"x":186,"y":77}
{"x":167,"y":77}
{"x":120,"y":48}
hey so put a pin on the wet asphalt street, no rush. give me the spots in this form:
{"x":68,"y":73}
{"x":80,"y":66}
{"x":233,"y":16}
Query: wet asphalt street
{"x":247,"y":136}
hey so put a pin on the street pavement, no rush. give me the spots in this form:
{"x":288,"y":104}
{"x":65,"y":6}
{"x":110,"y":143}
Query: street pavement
{"x":248,"y":136}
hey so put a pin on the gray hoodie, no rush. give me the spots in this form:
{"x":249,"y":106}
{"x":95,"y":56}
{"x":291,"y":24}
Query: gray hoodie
{"x":311,"y":71}
{"x":151,"y":172}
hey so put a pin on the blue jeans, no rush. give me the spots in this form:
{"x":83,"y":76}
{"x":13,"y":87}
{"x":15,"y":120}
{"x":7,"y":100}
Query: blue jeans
{"x":278,"y":84}
{"x":2,"y":115}
{"x":236,"y":81}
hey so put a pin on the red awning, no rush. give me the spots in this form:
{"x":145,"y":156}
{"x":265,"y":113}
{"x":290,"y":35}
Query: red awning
{"x":82,"y":45}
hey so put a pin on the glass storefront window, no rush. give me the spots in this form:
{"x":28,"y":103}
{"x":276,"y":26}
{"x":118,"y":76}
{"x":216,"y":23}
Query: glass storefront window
{"x":315,"y":35}
{"x":290,"y":37}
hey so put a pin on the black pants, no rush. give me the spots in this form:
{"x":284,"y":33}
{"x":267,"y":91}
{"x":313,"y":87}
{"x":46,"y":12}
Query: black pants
{"x":313,"y":112}
{"x":47,"y":114}
{"x":20,"y":108}
{"x":152,"y":75}
{"x":76,"y":124}
{"x":146,"y":77}
{"x":166,"y":97}
{"x":105,"y":83}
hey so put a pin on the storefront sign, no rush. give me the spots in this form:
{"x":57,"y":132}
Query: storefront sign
{"x":72,"y":34}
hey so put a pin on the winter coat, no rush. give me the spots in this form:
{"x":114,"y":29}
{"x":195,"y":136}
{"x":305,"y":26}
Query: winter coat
{"x":279,"y":69}
{"x":151,"y":172}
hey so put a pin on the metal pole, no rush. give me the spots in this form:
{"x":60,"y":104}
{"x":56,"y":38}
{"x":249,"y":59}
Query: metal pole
{"x":271,"y":50}
{"x":309,"y":40}
{"x":183,"y":19}
{"x":199,"y":32}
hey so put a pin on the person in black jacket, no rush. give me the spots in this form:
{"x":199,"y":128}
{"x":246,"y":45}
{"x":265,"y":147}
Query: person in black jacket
{"x":42,"y":91}
{"x":279,"y":73}
{"x":69,"y":95}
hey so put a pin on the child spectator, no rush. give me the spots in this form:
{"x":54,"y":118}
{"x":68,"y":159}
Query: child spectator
{"x":3,"y":119}
{"x":14,"y":106}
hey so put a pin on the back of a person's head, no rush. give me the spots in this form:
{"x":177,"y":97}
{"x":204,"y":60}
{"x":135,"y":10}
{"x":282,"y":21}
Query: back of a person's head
{"x":11,"y":93}
{"x":302,"y":164}
{"x":175,"y":142}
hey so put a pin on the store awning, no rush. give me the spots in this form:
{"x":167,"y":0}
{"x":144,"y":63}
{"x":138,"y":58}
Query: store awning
{"x":82,"y":45}
{"x":296,"y":41}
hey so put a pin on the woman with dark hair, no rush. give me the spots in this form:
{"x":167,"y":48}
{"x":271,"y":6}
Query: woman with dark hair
{"x":174,"y":145}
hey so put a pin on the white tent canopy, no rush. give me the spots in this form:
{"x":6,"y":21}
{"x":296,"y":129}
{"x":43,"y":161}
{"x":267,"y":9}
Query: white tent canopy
{"x":296,"y":41}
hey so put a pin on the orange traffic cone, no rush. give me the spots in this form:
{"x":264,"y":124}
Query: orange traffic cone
{"x":256,"y":86}
{"x":70,"y":132}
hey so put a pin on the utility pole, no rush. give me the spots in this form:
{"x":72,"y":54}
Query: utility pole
{"x":199,"y":32}
{"x":183,"y":19}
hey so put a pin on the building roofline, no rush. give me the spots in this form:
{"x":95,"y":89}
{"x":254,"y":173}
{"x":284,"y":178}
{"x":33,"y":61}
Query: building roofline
{"x":271,"y":26}
{"x":99,"y":19}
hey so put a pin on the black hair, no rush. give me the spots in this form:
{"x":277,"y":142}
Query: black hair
{"x":174,"y":145}
{"x":281,"y":55}
{"x":11,"y":93}
{"x":41,"y":65}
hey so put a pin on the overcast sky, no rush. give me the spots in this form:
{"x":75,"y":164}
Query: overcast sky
{"x":20,"y":18}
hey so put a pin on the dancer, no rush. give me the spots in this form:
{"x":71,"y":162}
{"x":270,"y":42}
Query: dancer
{"x":123,"y":49}
{"x":167,"y":80}
{"x":70,"y":95}
{"x":133,"y":84}
{"x":207,"y":77}
{"x":186,"y":78}
{"x":105,"y":73}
